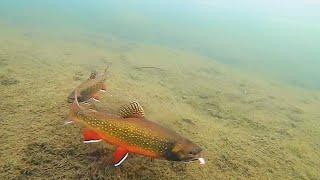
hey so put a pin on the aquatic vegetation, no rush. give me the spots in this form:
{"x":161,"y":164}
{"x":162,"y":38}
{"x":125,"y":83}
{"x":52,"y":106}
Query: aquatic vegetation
{"x":7,"y":81}
{"x":78,"y":76}
{"x":189,"y":121}
{"x":249,"y":128}
{"x":42,"y":155}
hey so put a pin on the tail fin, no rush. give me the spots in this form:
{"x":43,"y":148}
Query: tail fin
{"x":75,"y":107}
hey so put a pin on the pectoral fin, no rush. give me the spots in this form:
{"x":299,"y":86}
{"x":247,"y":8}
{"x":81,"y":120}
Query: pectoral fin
{"x":96,"y":97}
{"x":90,"y":136}
{"x":131,"y":110}
{"x":119,"y":156}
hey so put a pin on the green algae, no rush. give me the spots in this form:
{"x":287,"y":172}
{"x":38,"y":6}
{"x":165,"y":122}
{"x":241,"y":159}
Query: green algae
{"x":7,"y":81}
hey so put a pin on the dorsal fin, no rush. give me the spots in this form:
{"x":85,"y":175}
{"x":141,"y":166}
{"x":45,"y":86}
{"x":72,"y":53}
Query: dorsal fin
{"x":93,"y":74}
{"x":131,"y":110}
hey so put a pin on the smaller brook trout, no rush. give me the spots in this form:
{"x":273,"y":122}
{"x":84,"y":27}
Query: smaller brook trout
{"x":90,"y":88}
{"x":131,"y":132}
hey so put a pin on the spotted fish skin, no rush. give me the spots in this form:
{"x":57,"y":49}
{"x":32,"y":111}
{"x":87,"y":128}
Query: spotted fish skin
{"x":90,"y":88}
{"x":135,"y":133}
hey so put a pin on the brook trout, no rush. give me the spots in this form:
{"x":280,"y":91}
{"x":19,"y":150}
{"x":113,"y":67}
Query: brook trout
{"x":132,"y":132}
{"x":90,"y":88}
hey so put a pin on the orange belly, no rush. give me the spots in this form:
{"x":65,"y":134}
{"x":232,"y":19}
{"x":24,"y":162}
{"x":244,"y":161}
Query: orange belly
{"x":133,"y":149}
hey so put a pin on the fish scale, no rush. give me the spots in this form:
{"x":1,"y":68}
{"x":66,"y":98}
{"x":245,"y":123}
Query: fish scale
{"x":129,"y":134}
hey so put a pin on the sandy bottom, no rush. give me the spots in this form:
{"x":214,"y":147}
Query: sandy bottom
{"x":248,"y":128}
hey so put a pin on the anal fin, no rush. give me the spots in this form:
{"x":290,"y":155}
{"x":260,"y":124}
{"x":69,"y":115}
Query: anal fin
{"x":104,"y":87}
{"x":119,"y":156}
{"x":90,"y":136}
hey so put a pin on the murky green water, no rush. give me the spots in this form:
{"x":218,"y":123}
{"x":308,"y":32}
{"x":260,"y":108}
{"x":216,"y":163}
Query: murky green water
{"x":237,"y":78}
{"x":278,"y":40}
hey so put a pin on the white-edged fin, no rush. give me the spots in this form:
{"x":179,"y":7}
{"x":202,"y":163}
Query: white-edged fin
{"x":121,"y":161}
{"x":97,"y":100}
{"x":92,"y":141}
{"x":68,"y":122}
{"x":131,"y":110}
{"x":202,"y":161}
{"x":90,"y":110}
{"x":103,"y":90}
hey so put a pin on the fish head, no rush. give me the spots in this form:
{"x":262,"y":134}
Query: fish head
{"x":184,"y":150}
